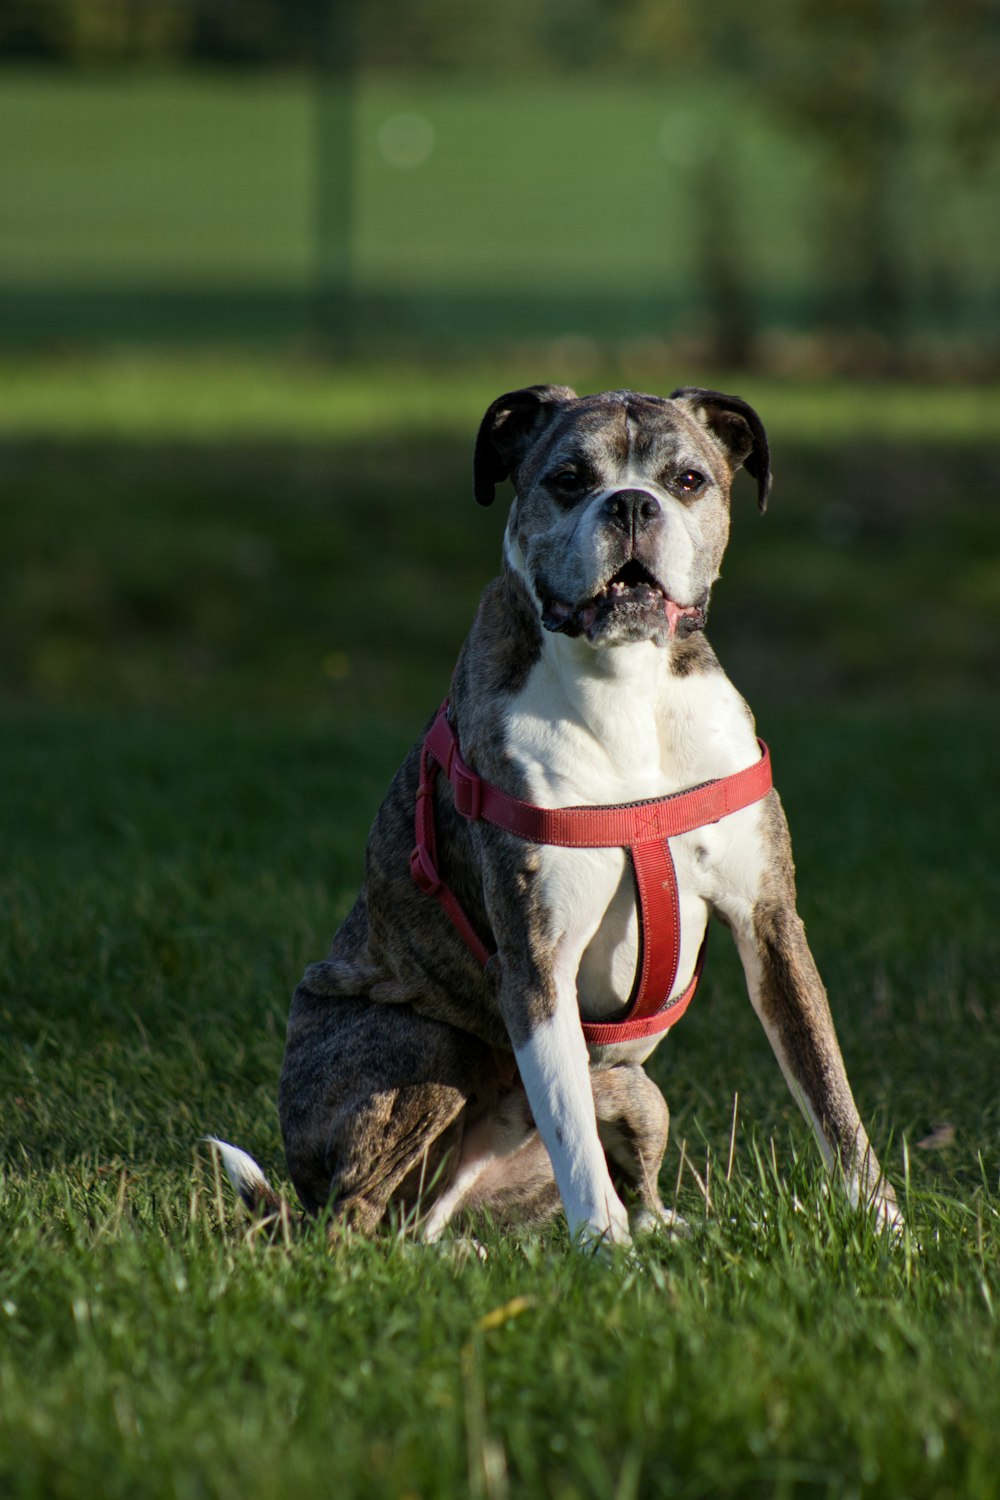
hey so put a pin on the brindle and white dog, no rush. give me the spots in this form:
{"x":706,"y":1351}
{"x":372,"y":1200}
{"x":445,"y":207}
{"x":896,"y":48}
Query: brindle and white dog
{"x":414,"y":1079}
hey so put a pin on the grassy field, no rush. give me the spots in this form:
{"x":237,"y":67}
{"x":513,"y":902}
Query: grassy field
{"x":212,"y":175}
{"x":187,"y":204}
{"x":228,"y":601}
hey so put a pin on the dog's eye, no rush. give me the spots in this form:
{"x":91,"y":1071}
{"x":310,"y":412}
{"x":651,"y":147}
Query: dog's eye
{"x":690,"y":481}
{"x":570,"y":481}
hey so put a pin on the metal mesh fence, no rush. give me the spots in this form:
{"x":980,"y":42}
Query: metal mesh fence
{"x":202,"y":190}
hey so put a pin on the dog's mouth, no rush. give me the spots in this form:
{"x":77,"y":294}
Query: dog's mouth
{"x":632,"y":598}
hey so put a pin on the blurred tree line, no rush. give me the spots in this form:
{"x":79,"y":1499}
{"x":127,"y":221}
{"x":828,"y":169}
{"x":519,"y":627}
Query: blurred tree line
{"x":814,"y":55}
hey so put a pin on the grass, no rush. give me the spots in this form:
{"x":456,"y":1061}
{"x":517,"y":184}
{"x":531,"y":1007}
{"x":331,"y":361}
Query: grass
{"x":241,"y":535}
{"x":149,"y":175}
{"x":190,"y":399}
{"x":218,"y":642}
{"x":158,"y":203}
{"x":181,"y":1357}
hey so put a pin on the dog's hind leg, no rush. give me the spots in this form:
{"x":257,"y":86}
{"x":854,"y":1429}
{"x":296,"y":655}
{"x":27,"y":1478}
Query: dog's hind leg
{"x":503,"y":1168}
{"x":372,"y":1102}
{"x":633,"y":1123}
{"x":506,"y":1172}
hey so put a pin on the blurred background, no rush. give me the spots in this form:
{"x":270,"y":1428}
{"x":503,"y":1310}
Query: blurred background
{"x":792,"y":186}
{"x":263,"y":265}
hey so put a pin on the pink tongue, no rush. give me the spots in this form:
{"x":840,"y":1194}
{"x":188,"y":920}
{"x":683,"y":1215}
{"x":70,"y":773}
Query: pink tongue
{"x":674,"y":612}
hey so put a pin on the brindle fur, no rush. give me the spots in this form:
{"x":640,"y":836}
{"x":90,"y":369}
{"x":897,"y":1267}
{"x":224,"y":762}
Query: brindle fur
{"x":399,"y":1042}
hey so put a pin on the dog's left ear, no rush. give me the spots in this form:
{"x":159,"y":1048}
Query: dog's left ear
{"x":510,"y":426}
{"x":739,"y":430}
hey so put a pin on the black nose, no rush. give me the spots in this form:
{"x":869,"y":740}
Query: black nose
{"x":632,"y":510}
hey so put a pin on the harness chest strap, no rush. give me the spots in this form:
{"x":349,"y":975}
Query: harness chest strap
{"x":643,"y":828}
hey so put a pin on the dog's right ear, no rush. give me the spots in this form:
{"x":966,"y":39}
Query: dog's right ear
{"x":510,"y":426}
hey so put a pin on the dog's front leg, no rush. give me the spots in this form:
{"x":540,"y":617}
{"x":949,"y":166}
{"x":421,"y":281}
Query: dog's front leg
{"x":539,"y":1005}
{"x":791,"y":1002}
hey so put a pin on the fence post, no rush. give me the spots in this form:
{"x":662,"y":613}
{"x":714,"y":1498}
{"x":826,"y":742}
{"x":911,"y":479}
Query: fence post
{"x":336,"y":66}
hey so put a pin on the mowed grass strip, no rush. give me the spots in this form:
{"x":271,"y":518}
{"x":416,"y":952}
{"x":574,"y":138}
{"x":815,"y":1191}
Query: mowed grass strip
{"x":219,"y":396}
{"x":173,"y":178}
{"x":177,"y":176}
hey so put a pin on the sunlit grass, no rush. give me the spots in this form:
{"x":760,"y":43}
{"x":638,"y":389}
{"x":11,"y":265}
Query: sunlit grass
{"x":164,"y":885}
{"x":206,"y":397}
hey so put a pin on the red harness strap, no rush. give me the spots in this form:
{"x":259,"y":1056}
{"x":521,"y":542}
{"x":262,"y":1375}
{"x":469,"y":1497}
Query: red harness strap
{"x":643,"y":828}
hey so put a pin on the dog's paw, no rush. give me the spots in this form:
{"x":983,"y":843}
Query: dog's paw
{"x":888,"y":1214}
{"x":459,"y":1248}
{"x":664,"y":1221}
{"x":602,"y":1237}
{"x":614,"y":1254}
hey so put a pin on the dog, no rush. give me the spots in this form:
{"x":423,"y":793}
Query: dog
{"x":474,"y":1042}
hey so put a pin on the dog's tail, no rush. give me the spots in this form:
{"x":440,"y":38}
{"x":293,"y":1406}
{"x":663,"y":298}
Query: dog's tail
{"x":248,"y":1179}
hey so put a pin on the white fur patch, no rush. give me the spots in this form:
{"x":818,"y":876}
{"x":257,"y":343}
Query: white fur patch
{"x":614,"y":726}
{"x":243,"y":1172}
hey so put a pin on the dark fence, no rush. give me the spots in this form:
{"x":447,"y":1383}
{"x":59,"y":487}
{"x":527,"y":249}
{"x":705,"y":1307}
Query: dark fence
{"x":375,"y":179}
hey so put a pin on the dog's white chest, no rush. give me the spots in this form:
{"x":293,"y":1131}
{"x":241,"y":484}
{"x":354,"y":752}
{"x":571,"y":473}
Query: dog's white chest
{"x":627,"y":737}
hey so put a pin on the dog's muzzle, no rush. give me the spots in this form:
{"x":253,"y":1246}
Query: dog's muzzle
{"x":632,"y":603}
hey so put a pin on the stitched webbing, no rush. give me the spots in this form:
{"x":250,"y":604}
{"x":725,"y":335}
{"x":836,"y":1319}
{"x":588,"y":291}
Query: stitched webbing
{"x":594,"y":827}
{"x":641,"y":827}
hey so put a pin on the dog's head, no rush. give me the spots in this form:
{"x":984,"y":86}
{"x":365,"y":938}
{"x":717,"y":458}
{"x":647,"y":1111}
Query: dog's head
{"x":621,"y":509}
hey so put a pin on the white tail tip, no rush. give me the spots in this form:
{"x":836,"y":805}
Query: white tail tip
{"x":245,"y":1175}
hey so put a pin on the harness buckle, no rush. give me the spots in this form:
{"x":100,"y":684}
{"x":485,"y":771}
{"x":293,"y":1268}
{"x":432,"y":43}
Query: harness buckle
{"x":467,"y":790}
{"x":425,"y":877}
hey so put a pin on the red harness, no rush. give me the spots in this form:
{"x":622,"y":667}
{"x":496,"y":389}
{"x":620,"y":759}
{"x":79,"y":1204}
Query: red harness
{"x":643,"y":828}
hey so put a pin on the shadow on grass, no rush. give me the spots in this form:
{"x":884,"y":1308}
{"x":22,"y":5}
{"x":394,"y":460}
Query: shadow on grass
{"x":276,"y":577}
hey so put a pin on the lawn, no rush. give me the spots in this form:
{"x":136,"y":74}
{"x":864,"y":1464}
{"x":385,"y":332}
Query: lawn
{"x":149,"y":175}
{"x":206,"y":204}
{"x":229,"y":598}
